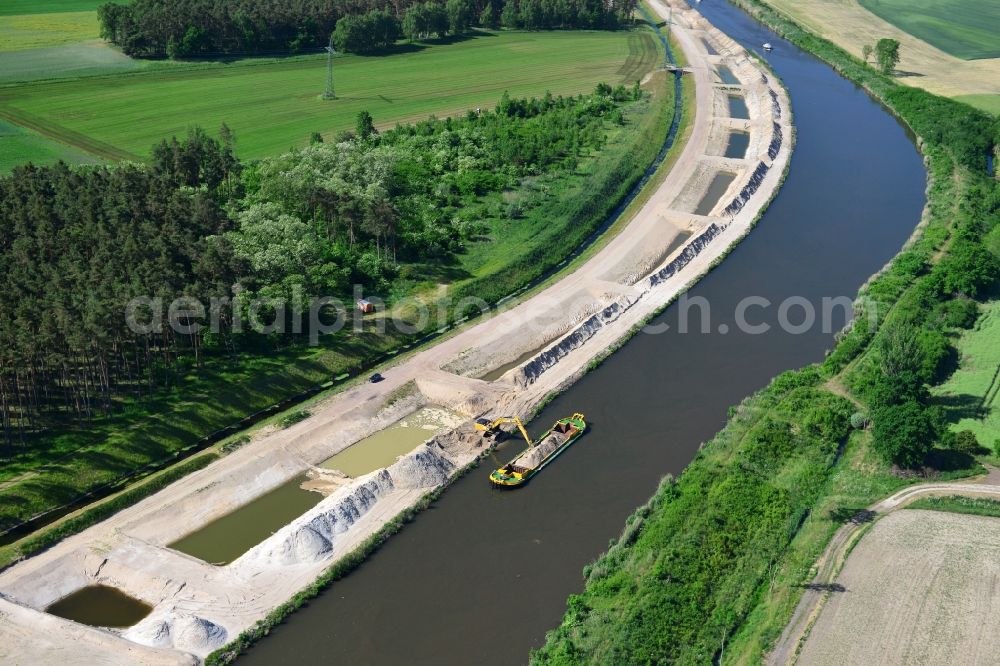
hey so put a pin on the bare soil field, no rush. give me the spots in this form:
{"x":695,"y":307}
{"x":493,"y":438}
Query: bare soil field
{"x":922,"y":587}
{"x":851,"y":26}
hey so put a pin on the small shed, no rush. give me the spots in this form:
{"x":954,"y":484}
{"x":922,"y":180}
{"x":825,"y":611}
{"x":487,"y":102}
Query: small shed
{"x":365,"y":306}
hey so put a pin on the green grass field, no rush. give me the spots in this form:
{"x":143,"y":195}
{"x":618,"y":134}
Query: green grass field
{"x":273,"y":106}
{"x":966,"y":29}
{"x":970,"y":394}
{"x":15,"y":7}
{"x":988,"y":103}
{"x":18,"y":145}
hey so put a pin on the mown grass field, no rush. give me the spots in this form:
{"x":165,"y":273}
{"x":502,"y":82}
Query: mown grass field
{"x":274,"y":106}
{"x":15,"y":7}
{"x":966,"y":29}
{"x":988,"y":103}
{"x":970,"y":394}
{"x":31,"y":31}
{"x":18,"y":145}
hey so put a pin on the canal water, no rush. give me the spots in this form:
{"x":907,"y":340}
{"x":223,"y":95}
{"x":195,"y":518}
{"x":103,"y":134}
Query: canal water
{"x":482,"y":575}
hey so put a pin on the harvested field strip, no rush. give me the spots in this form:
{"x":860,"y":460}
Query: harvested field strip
{"x":966,"y":29}
{"x":851,"y":26}
{"x":914,"y":592}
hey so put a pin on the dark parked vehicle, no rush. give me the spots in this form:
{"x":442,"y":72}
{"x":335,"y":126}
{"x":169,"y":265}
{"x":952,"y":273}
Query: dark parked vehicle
{"x":376,"y":378}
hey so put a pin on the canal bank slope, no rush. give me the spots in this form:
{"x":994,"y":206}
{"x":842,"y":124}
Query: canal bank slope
{"x":557,"y":332}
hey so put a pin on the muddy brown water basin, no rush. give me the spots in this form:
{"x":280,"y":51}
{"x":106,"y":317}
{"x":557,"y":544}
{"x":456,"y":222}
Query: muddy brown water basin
{"x":227,"y":538}
{"x":224,"y":539}
{"x":853,"y":194}
{"x":382,"y":448}
{"x":100,"y":606}
{"x":726,"y":75}
{"x":720,"y":183}
{"x":737,"y":145}
{"x":500,"y":371}
{"x":738,"y":107}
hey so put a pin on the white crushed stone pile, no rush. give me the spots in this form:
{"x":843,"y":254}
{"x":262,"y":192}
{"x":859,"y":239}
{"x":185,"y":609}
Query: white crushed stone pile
{"x":310,"y":538}
{"x":424,"y":468}
{"x":179,"y":630}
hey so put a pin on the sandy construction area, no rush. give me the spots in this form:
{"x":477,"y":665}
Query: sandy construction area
{"x":851,"y":26}
{"x":552,"y":336}
{"x":922,"y":587}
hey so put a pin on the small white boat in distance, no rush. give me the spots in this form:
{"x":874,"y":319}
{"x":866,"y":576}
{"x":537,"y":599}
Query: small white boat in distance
{"x":767,"y":46}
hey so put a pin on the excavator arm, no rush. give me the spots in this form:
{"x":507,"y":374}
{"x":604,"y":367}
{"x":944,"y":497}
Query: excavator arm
{"x":491,"y":428}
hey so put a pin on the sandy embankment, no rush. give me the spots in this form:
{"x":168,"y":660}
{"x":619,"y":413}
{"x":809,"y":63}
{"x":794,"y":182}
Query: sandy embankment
{"x":198,"y":607}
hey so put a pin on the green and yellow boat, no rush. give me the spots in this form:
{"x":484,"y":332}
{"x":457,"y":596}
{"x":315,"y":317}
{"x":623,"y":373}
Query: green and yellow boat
{"x":540,"y":453}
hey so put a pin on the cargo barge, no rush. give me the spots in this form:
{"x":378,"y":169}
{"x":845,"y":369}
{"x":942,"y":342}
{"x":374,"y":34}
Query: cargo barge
{"x":539,"y":454}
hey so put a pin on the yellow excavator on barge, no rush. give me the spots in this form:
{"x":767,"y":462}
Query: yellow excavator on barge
{"x":538,"y":454}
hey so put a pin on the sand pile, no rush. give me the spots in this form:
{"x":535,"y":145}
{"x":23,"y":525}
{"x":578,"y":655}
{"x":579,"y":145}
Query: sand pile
{"x":424,"y":468}
{"x":534,"y":456}
{"x":310,"y":537}
{"x":179,"y":630}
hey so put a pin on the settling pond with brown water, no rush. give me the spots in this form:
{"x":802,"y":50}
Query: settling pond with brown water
{"x":226,"y":538}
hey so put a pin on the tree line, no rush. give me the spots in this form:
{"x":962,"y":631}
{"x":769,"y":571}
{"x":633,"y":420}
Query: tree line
{"x":193,"y":28}
{"x":77,"y":245}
